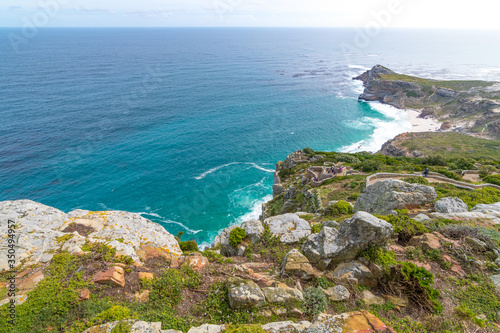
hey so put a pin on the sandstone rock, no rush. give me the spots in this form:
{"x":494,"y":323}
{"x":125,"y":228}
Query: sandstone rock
{"x":354,"y":272}
{"x":40,"y":230}
{"x":296,"y":263}
{"x":207,"y":328}
{"x":370,"y":299}
{"x":349,"y":322}
{"x":31,"y":281}
{"x":282,"y":294}
{"x":288,"y":227}
{"x":286,"y":327}
{"x":450,"y":205}
{"x":84,"y":295}
{"x":384,"y":196}
{"x":337,"y":293}
{"x":145,"y":327}
{"x":143,"y":296}
{"x":114,"y":276}
{"x":146,"y":275}
{"x":354,"y":235}
{"x":426,"y":241}
{"x":197,"y":262}
{"x":245,"y":294}
{"x":253,"y":229}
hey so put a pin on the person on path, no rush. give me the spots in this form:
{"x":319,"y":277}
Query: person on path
{"x":426,"y":172}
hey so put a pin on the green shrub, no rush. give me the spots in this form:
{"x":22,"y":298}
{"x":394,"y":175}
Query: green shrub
{"x":417,"y":282}
{"x":340,"y":207}
{"x":284,"y":173}
{"x":315,"y":228}
{"x":122,"y":327}
{"x":465,"y":163}
{"x":324,"y":283}
{"x":189,"y":246}
{"x":485,"y":195}
{"x":416,"y":180}
{"x":114,"y":313}
{"x":244,"y":329}
{"x":480,"y":298}
{"x":167,"y":289}
{"x":405,"y":227}
{"x":215,"y":257}
{"x":380,"y":256}
{"x":447,"y":173}
{"x":237,"y":236}
{"x":308,"y":151}
{"x":354,"y":196}
{"x":315,"y":301}
{"x":191,"y":278}
{"x":493,"y":179}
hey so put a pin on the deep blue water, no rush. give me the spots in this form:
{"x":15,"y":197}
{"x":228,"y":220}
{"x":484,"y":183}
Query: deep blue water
{"x":186,"y":125}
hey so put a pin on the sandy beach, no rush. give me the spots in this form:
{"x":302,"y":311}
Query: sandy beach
{"x":422,"y":124}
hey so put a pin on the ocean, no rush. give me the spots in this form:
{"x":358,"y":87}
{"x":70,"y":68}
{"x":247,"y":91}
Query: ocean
{"x":185,"y":126}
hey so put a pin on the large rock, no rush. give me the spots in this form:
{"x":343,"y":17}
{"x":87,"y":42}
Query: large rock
{"x":385,"y":196}
{"x":39,"y":231}
{"x":207,"y":328}
{"x":450,"y":205}
{"x":245,"y":294}
{"x":354,"y":272}
{"x":355,"y":234}
{"x":288,"y":227}
{"x":286,"y":327}
{"x":136,"y":327}
{"x":282,"y":294}
{"x":297,"y":263}
{"x":338,"y":293}
{"x":484,"y":208}
{"x":349,"y":322}
{"x":253,"y":229}
{"x":114,"y":276}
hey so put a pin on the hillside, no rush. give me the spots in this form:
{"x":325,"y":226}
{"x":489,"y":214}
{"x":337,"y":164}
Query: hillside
{"x":466,"y":106}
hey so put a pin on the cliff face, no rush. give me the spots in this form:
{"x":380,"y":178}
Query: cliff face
{"x":465,"y":106}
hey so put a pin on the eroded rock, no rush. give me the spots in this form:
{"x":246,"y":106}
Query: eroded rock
{"x":450,"y":205}
{"x":288,"y":227}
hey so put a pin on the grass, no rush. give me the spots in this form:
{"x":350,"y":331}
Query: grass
{"x":485,"y":195}
{"x":454,"y":85}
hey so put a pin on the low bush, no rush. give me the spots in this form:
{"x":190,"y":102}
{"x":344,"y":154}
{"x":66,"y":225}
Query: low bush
{"x":416,"y":180}
{"x":339,"y":208}
{"x":493,"y":179}
{"x":315,"y":301}
{"x":405,"y":227}
{"x":236,"y":236}
{"x":380,"y":256}
{"x":189,"y":246}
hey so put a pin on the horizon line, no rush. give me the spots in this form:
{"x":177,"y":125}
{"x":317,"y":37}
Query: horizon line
{"x":252,"y":27}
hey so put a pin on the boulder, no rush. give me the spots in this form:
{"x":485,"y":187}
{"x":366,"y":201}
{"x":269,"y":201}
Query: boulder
{"x":427,"y":242}
{"x":422,"y":218}
{"x":296,"y":263}
{"x":114,"y":276}
{"x":491,"y":208}
{"x":370,"y":299}
{"x":337,"y":293}
{"x":245,"y":294}
{"x":282,"y":294}
{"x":286,"y":327}
{"x":137,"y":327}
{"x":349,"y":322}
{"x":207,"y":328}
{"x":354,"y":272}
{"x":253,"y":229}
{"x":355,"y":234}
{"x":288,"y":227}
{"x":385,"y":196}
{"x":450,"y":205}
{"x":40,"y":230}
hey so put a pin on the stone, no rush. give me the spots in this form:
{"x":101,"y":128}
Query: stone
{"x":245,"y":294}
{"x":143,"y":296}
{"x":281,"y":295}
{"x":294,"y":312}
{"x":370,"y":299}
{"x":354,"y":272}
{"x":476,"y":244}
{"x":338,"y":293}
{"x":31,"y":281}
{"x":355,"y":234}
{"x":349,"y":322}
{"x":286,"y":327}
{"x":398,"y":301}
{"x":114,"y":276}
{"x":427,"y":242}
{"x":484,"y":208}
{"x":450,"y":205}
{"x":253,"y":229}
{"x":296,"y":263}
{"x":41,"y":229}
{"x":207,"y":328}
{"x":385,"y":196}
{"x":197,"y":262}
{"x":288,"y":227}
{"x":422,"y":218}
{"x":145,"y":327}
{"x":331,"y":224}
{"x":223,"y":240}
{"x":146,"y":275}
{"x":84,"y":294}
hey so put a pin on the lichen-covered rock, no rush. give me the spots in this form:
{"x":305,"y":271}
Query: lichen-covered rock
{"x":450,"y":205}
{"x":427,"y":242}
{"x":370,"y":299}
{"x":40,"y":230}
{"x":296,"y":263}
{"x":288,"y":227}
{"x":484,"y":208}
{"x":282,"y":294}
{"x":286,"y":327}
{"x":354,"y":272}
{"x":253,"y":229}
{"x":337,"y":293}
{"x":384,"y":196}
{"x":355,"y":234}
{"x":349,"y":322}
{"x":245,"y":294}
{"x":207,"y":328}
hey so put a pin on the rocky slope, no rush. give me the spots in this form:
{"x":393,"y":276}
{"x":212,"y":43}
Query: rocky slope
{"x":465,"y":106}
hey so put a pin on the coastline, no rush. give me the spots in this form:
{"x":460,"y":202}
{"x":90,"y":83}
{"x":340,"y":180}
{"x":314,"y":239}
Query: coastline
{"x":427,"y":124}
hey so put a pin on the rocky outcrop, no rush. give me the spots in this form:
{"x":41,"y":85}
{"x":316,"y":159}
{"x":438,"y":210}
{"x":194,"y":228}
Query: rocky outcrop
{"x":338,"y":293}
{"x":245,"y":294}
{"x":41,"y":230}
{"x":450,"y":205}
{"x":484,"y":208}
{"x":286,"y":327}
{"x":297,"y":263}
{"x":288,"y":227}
{"x":282,"y":294}
{"x":349,"y":322}
{"x":353,"y":272}
{"x":355,"y":234}
{"x":384,"y":196}
{"x":253,"y":230}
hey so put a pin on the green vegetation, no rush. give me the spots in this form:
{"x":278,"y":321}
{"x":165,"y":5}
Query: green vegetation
{"x":122,"y":327}
{"x":380,"y":256}
{"x":479,"y":296}
{"x":189,"y":246}
{"x":454,"y":85}
{"x":416,"y":180}
{"x":340,"y":208}
{"x":405,"y":227}
{"x":315,"y":301}
{"x":493,"y":179}
{"x":236,"y":236}
{"x":485,"y":195}
{"x":215,"y":257}
{"x":244,"y":329}
{"x":114,"y":313}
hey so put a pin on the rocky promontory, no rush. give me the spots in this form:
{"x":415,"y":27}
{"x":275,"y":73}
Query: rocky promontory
{"x":465,"y":106}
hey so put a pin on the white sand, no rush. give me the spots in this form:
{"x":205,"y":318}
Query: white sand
{"x":427,"y":124}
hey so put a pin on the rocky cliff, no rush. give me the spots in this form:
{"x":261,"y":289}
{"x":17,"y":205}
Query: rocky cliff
{"x":466,"y":106}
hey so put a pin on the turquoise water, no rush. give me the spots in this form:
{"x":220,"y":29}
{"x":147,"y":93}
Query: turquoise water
{"x":185,"y":125}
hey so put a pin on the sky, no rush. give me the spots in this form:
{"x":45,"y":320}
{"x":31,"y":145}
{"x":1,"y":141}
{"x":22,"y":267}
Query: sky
{"x":451,"y":14}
